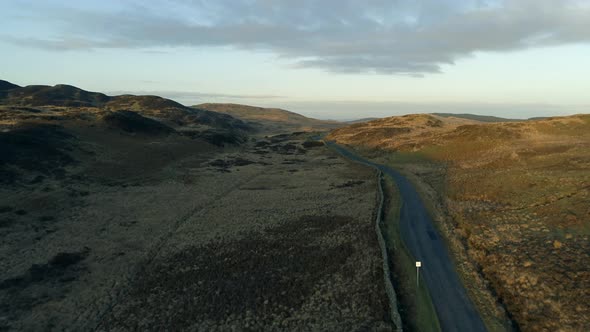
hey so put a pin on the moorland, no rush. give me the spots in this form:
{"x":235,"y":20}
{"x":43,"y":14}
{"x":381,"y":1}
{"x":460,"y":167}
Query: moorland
{"x":139,"y":213}
{"x":136,"y":212}
{"x":511,"y":199}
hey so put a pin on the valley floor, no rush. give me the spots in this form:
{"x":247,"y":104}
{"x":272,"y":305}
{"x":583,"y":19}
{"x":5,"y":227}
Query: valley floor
{"x":265,"y":237}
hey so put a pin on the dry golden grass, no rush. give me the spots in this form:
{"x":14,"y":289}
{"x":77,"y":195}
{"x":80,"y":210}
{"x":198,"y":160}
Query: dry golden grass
{"x":271,"y":120}
{"x":518,"y":194}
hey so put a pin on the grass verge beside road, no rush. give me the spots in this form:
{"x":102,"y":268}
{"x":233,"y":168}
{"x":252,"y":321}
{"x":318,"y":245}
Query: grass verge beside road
{"x":429,"y":177}
{"x":415,"y":305}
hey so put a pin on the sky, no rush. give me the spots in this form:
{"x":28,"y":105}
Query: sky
{"x":330,"y":59}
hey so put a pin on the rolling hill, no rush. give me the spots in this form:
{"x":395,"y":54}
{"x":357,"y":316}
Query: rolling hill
{"x":5,"y":85}
{"x":46,"y":130}
{"x":512,"y":200}
{"x":71,"y":99}
{"x":58,"y":95}
{"x":476,"y":117}
{"x":271,"y":120}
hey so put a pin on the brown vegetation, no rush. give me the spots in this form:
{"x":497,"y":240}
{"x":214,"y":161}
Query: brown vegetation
{"x":160,"y":216}
{"x":516,"y":194}
{"x":273,"y":120}
{"x":69,"y":99}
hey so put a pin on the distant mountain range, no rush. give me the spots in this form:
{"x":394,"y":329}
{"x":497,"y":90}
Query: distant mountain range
{"x":224,"y":115}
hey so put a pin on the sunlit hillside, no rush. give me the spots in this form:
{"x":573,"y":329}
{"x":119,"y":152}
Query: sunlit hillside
{"x":517,"y":193}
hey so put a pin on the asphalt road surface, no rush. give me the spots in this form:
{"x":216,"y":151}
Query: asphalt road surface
{"x":455,"y":310}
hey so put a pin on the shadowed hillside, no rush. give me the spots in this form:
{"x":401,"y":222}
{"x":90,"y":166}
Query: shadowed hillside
{"x":121,"y":213}
{"x":5,"y":85}
{"x":47,"y":130}
{"x":272,"y":120}
{"x":61,"y":97}
{"x":512,"y":199}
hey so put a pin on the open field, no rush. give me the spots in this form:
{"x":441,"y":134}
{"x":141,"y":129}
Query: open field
{"x":513,"y":201}
{"x":272,"y":254}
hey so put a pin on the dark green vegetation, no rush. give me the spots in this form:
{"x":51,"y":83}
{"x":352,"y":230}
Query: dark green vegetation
{"x":38,"y":149}
{"x":22,"y":291}
{"x":132,"y":122}
{"x":312,"y":144}
{"x":56,"y":268}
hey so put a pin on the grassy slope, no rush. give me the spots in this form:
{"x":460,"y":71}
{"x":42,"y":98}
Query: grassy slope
{"x":36,"y":124}
{"x":273,"y":119}
{"x":67,"y":98}
{"x":518,"y":195}
{"x":476,"y":117}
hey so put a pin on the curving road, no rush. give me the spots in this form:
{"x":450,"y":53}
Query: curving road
{"x":455,"y":310}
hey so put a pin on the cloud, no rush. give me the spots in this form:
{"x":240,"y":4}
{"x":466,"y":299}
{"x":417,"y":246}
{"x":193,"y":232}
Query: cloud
{"x":404,"y":37}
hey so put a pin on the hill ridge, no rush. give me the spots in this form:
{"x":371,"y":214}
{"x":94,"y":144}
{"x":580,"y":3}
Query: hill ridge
{"x":5,"y":85}
{"x":272,"y":120}
{"x":69,"y":98}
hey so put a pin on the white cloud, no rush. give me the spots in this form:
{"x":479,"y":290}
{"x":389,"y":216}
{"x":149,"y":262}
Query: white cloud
{"x":390,"y":37}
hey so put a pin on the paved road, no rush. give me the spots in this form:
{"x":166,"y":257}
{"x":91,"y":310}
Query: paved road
{"x":455,"y":310}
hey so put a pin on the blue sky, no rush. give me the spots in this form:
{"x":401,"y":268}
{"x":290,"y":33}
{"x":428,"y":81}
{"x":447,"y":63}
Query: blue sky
{"x":329,"y":59}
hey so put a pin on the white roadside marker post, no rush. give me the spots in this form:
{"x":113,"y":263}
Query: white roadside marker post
{"x":418,"y":265}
